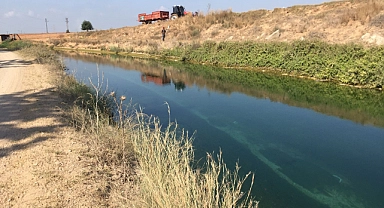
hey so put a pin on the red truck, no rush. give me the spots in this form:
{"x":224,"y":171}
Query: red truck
{"x":155,"y":16}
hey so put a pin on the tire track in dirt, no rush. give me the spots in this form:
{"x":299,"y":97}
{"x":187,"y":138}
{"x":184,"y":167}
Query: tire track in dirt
{"x":41,"y":159}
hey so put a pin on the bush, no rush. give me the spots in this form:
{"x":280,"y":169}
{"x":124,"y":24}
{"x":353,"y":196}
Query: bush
{"x":15,"y":45}
{"x":348,"y":64}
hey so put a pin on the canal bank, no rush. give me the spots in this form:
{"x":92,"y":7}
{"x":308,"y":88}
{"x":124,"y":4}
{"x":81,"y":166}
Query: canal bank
{"x":294,"y":149}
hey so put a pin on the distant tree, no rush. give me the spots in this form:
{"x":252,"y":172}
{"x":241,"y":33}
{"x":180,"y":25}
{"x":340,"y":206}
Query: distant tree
{"x":86,"y":25}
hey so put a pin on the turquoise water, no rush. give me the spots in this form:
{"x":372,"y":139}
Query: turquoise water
{"x":300,"y":157}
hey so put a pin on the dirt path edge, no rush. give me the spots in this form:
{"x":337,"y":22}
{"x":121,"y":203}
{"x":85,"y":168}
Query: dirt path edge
{"x":42,"y":161}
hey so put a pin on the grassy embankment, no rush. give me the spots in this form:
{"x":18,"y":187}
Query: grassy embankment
{"x":139,"y":162}
{"x":349,"y":64}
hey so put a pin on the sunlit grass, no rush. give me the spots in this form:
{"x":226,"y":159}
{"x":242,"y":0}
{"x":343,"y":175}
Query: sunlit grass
{"x":133,"y":149}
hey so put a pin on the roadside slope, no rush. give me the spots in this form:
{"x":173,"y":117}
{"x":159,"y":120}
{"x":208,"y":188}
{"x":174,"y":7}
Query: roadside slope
{"x":40,"y":158}
{"x":340,"y":22}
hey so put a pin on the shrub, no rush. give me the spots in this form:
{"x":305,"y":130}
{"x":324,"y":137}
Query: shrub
{"x":15,"y":45}
{"x":348,"y":64}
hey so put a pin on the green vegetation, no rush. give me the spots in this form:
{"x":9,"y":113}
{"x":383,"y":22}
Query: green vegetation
{"x":39,"y":52}
{"x":360,"y":105}
{"x":348,"y":64}
{"x":14,"y":45}
{"x":137,"y":161}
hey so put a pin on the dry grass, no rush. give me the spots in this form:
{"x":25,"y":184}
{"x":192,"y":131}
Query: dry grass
{"x":168,"y":178}
{"x":363,"y":12}
{"x":137,"y":162}
{"x":41,"y":54}
{"x":141,"y":163}
{"x":110,"y":145}
{"x":342,"y":21}
{"x":225,"y":18}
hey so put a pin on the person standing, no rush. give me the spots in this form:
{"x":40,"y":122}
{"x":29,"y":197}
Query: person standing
{"x":163,"y":33}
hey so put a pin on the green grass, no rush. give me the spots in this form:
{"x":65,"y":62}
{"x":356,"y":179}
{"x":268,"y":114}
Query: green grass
{"x":15,"y":45}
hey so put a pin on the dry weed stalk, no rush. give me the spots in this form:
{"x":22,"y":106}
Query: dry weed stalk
{"x":168,"y":179}
{"x":166,"y":176}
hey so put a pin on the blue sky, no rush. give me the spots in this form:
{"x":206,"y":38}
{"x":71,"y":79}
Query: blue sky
{"x":28,"y":16}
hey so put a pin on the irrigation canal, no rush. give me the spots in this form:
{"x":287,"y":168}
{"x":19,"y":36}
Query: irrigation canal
{"x":310,"y":144}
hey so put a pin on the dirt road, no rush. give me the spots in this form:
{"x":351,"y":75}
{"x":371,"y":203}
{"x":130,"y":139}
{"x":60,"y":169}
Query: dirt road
{"x":41,"y":163}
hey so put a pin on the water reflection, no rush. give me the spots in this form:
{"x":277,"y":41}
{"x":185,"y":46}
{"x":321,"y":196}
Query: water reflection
{"x":159,"y":80}
{"x":179,"y":85}
{"x":362,"y":106}
{"x":163,"y":79}
{"x":301,"y":158}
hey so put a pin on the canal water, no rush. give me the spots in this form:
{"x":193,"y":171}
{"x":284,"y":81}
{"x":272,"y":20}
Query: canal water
{"x":310,"y":144}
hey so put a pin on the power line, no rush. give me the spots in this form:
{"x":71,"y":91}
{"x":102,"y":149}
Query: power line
{"x":32,"y":17}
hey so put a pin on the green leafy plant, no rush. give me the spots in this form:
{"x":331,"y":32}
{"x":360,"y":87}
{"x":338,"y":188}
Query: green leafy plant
{"x":350,"y":64}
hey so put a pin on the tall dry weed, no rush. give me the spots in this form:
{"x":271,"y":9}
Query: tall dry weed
{"x":140,"y":162}
{"x":168,"y":179}
{"x":364,"y":11}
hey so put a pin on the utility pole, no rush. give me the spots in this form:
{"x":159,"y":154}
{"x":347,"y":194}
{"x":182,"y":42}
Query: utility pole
{"x":66,"y":20}
{"x":46,"y":24}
